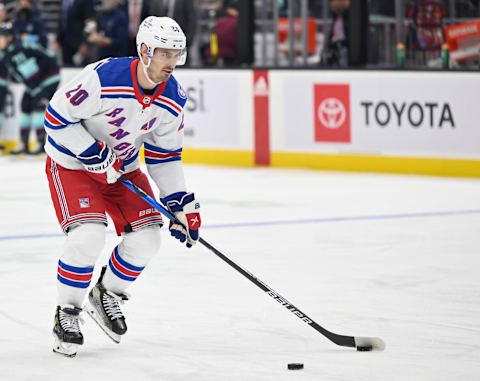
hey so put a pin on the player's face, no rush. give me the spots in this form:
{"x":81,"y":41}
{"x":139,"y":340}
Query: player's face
{"x":163,"y":63}
{"x":4,"y":40}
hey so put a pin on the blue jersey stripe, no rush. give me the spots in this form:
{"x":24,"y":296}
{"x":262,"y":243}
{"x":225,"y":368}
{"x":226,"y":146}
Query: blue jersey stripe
{"x":160,"y":150}
{"x":60,"y":148}
{"x":160,"y":161}
{"x":52,"y":126}
{"x":57,"y":115}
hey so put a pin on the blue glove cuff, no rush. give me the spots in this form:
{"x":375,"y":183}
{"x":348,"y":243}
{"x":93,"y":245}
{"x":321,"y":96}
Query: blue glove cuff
{"x":94,"y":154}
{"x":176,"y":201}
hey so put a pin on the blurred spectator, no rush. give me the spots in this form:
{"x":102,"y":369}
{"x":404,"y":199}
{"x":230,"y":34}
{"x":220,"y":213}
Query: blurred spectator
{"x":3,"y":88}
{"x":426,"y":33}
{"x":28,"y":24}
{"x":111,"y":34}
{"x":222,"y":48}
{"x":33,"y":66}
{"x":282,"y":8}
{"x":182,"y":11}
{"x":137,"y":11}
{"x":335,"y":52}
{"x":71,"y":36}
{"x":3,"y":13}
{"x":229,"y":8}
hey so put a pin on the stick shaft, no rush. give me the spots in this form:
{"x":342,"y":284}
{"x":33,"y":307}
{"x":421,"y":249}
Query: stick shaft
{"x":346,"y":341}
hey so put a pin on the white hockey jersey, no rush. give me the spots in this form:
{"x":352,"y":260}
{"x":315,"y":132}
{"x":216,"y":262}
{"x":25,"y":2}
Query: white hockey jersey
{"x":105,"y":103}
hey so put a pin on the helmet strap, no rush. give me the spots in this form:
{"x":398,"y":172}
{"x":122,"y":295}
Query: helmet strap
{"x":145,"y":67}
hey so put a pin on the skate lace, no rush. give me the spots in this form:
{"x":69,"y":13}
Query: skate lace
{"x":111,"y":304}
{"x":69,"y":322}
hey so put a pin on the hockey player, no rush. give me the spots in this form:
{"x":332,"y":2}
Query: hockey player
{"x":33,"y":66}
{"x":95,"y":127}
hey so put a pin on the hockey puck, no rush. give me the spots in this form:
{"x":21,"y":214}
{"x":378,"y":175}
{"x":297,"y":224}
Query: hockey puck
{"x":364,"y":349}
{"x":295,"y":366}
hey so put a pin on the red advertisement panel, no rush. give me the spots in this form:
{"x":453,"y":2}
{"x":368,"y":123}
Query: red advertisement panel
{"x":332,"y":113}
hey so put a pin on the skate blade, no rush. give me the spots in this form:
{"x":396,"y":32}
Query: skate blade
{"x":92,"y":312}
{"x":65,"y":349}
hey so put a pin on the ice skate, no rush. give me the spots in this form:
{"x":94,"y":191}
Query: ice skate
{"x":66,"y":330}
{"x":104,"y":307}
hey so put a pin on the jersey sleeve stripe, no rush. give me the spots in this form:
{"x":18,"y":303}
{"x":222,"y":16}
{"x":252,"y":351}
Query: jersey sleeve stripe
{"x":53,"y":123}
{"x":160,"y":150}
{"x":162,"y":161}
{"x":60,"y":148}
{"x":51,"y":119}
{"x":53,"y":126}
{"x":157,"y":155}
{"x":58,"y":116}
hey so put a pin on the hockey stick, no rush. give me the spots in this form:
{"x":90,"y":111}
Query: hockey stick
{"x":361,"y":343}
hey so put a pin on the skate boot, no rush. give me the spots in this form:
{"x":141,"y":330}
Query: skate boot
{"x":66,"y":330}
{"x":103,"y":306}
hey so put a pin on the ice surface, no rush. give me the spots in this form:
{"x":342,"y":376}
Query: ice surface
{"x":367,"y":255}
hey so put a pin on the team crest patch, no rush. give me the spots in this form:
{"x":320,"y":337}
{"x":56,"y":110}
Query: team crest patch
{"x":84,"y":203}
{"x":181,"y":92}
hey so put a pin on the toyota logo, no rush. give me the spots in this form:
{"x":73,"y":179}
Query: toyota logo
{"x":331,"y":113}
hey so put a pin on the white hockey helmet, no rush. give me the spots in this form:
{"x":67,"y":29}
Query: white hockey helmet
{"x":161,"y":32}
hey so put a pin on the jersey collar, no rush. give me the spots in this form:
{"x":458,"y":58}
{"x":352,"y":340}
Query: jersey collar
{"x":144,"y":99}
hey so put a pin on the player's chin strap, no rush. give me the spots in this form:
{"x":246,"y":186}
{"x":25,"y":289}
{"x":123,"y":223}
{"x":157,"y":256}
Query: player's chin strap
{"x":145,"y":67}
